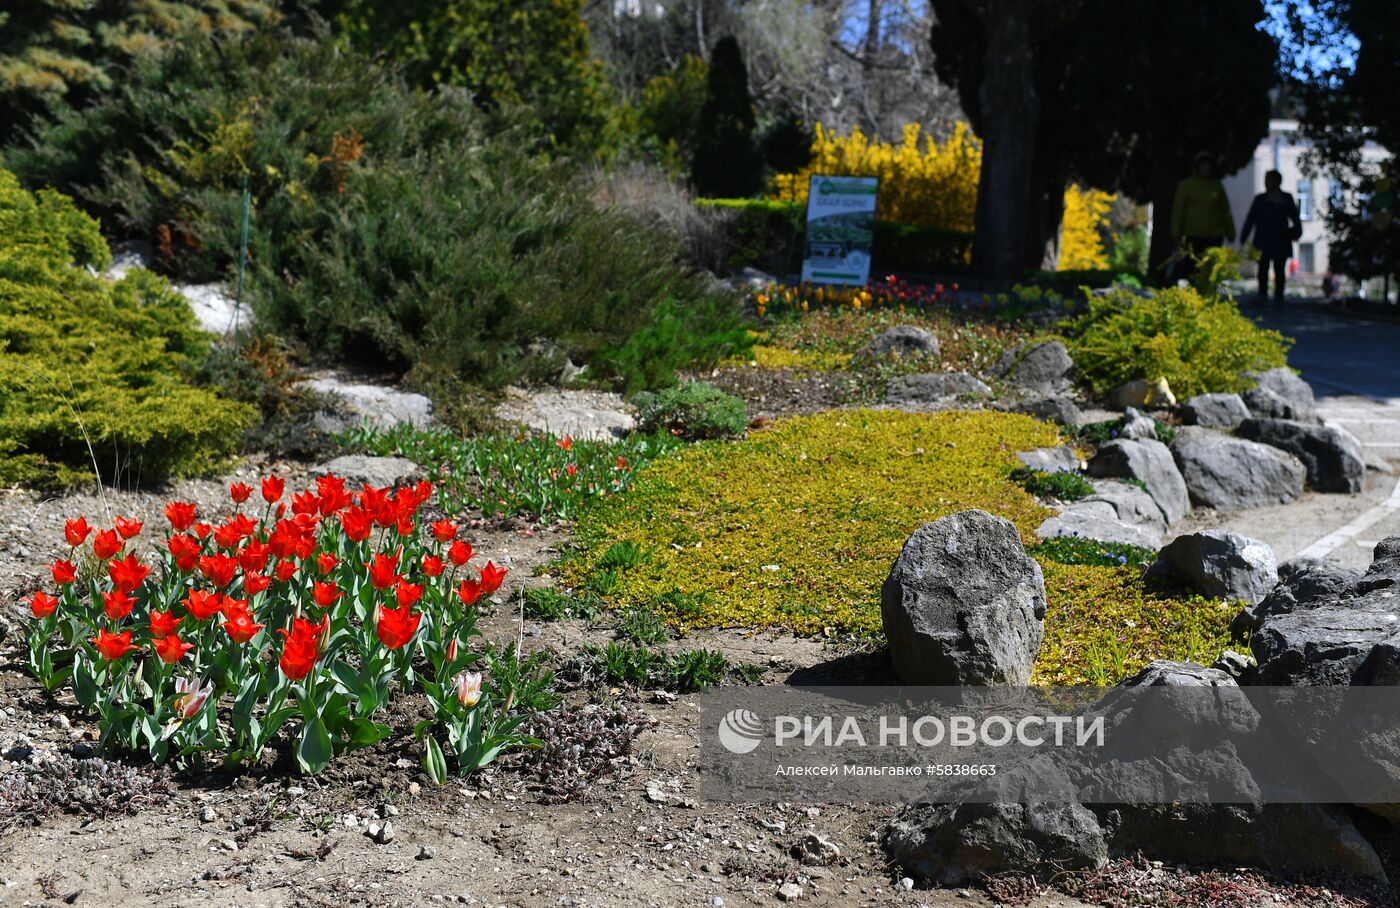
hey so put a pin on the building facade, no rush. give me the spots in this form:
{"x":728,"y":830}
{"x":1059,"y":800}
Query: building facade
{"x":1282,"y":150}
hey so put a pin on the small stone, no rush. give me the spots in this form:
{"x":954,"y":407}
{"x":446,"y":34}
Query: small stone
{"x":425,"y":853}
{"x":381,"y":832}
{"x":229,"y":845}
{"x":790,"y":892}
{"x":817,"y":850}
{"x":414,"y":788}
{"x":208,"y":814}
{"x":717,"y":901}
{"x":907,"y":884}
{"x":655,"y":795}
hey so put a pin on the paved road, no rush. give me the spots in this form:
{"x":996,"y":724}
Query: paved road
{"x":1353,"y":365}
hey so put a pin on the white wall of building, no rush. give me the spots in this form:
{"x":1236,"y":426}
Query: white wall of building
{"x":1282,"y":150}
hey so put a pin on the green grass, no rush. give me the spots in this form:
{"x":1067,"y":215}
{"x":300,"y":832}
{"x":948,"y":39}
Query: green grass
{"x":796,"y":527}
{"x":1061,"y":484}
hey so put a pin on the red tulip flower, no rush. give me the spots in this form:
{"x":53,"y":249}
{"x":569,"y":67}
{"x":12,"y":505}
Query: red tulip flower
{"x":356,"y":523}
{"x":218,"y":568}
{"x":460,"y":553}
{"x":163,"y":624}
{"x":433,"y":566}
{"x":383,"y":571}
{"x":306,"y":502}
{"x":272,"y":488}
{"x":326,"y":562}
{"x":106,"y":544}
{"x":302,"y":647}
{"x":491,"y":577}
{"x":469,"y":592}
{"x":64,"y":572}
{"x":117,"y":605}
{"x":239,"y":623}
{"x":203,"y":605}
{"x":180,"y":514}
{"x":128,"y":527}
{"x":42,"y":605}
{"x":128,"y":574}
{"x":76,"y":531}
{"x":112,"y":646}
{"x":396,"y":627}
{"x":444,"y":530}
{"x":239,"y":492}
{"x":407,"y":594}
{"x":172,"y":649}
{"x":286,"y":570}
{"x":324,"y":593}
{"x":185,"y":550}
{"x":255,"y":583}
{"x":253,"y":556}
{"x":202,"y":530}
{"x":567,"y":443}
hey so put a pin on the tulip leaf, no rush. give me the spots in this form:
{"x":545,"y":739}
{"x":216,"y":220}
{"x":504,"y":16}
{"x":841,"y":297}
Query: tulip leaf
{"x":434,"y":763}
{"x":357,"y":733}
{"x":84,"y":687}
{"x":314,"y":747}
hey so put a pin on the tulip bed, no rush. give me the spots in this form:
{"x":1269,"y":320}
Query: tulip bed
{"x":298,"y":618}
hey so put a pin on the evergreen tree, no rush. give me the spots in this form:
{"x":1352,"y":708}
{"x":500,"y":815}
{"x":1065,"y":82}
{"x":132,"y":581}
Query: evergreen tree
{"x":726,"y":162}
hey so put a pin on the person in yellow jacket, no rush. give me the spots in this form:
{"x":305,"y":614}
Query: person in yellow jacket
{"x":1201,"y":215}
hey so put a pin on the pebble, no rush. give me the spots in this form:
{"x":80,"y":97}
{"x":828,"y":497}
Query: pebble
{"x":381,"y":832}
{"x":208,"y":814}
{"x":426,"y":854}
{"x":414,"y":788}
{"x":790,"y":892}
{"x":717,"y":901}
{"x":907,"y":884}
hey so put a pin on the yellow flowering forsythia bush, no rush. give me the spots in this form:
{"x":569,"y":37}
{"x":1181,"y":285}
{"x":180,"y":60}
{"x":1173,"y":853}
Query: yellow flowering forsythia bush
{"x":934,"y":184}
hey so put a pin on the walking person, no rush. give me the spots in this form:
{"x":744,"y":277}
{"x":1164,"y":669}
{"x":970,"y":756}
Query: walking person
{"x":1274,"y":222}
{"x":1201,"y":215}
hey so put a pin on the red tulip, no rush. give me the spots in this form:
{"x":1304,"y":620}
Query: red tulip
{"x":572,"y":470}
{"x":218,"y":568}
{"x":253,"y":556}
{"x":567,"y":443}
{"x":185,"y":551}
{"x":180,"y":514}
{"x":255,"y":583}
{"x":106,"y":544}
{"x":163,"y":624}
{"x":407,"y":594}
{"x":42,"y":605}
{"x":396,"y":627}
{"x":202,"y":530}
{"x":459,"y":553}
{"x":272,"y":488}
{"x":112,"y":646}
{"x":383,"y":571}
{"x":64,"y":572}
{"x":203,"y":604}
{"x":491,"y":577}
{"x":444,"y":530}
{"x":239,"y":492}
{"x":239,"y":623}
{"x":128,"y":574}
{"x":433,"y":566}
{"x":286,"y":570}
{"x":302,"y":647}
{"x":325,"y":594}
{"x":227,"y":537}
{"x":76,"y":531}
{"x":117,"y":605}
{"x":306,"y":503}
{"x":469,"y":592}
{"x":172,"y":649}
{"x":326,"y":562}
{"x":128,"y":527}
{"x":356,"y":523}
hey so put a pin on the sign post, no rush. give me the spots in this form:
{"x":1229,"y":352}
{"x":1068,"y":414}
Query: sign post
{"x":840,"y":229}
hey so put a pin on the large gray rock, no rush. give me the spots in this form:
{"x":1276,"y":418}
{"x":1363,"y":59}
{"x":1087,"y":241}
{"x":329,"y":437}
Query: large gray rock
{"x":1221,"y":564}
{"x":1332,"y":456}
{"x":902,"y":341}
{"x":953,"y":844}
{"x":1336,"y":634}
{"x":1232,"y":474}
{"x":361,"y":470}
{"x":1050,"y":460}
{"x":1116,"y":512}
{"x":1131,"y":503}
{"x":964,"y":604}
{"x":934,"y":389}
{"x":1214,"y":411}
{"x":1149,"y":462}
{"x":1288,"y":396}
{"x":1043,"y":368}
{"x":378,"y":406}
{"x":1137,"y":426}
{"x":1059,"y":410}
{"x":1302,"y":584}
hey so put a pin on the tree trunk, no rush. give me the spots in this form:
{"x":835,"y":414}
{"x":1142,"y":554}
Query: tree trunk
{"x":1010,"y":112}
{"x":1165,"y":175}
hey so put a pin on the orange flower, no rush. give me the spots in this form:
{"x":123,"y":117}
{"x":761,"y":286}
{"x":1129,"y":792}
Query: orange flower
{"x":112,"y":646}
{"x":128,"y":574}
{"x":491,"y":577}
{"x":172,"y":649}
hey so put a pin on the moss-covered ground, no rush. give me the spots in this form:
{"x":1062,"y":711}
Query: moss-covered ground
{"x":796,"y":527}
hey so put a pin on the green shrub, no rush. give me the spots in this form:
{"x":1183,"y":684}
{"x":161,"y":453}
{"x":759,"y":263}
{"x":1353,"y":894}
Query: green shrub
{"x":637,"y":665}
{"x":542,"y":477}
{"x":548,"y":604}
{"x":1061,"y":484}
{"x":389,"y":225}
{"x":641,"y":625}
{"x":1199,"y":344}
{"x":1076,"y":550}
{"x":84,"y":362}
{"x":694,"y":411}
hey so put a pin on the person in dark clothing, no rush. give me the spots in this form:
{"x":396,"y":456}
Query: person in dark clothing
{"x":1273,"y":220}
